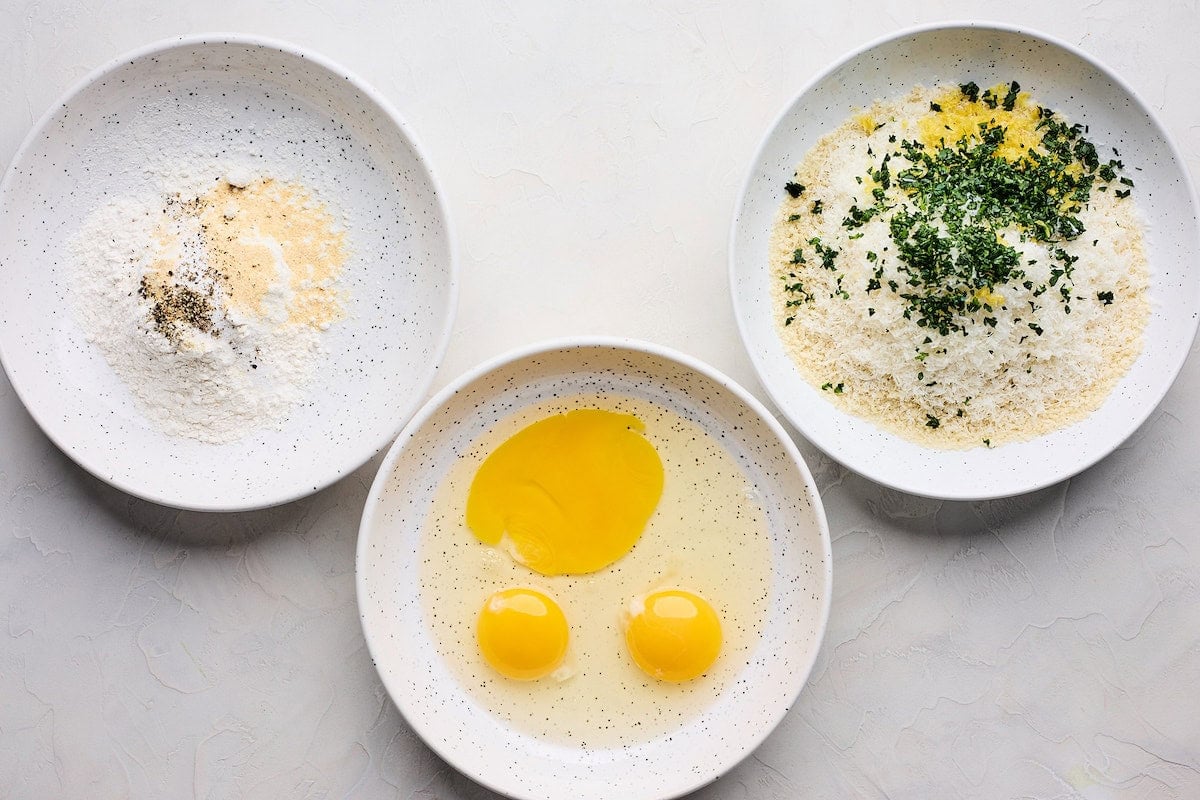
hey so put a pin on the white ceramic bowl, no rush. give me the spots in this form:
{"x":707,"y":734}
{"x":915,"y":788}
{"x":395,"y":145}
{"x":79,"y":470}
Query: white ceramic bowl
{"x":1062,"y":78}
{"x":425,"y":688}
{"x":301,"y":117}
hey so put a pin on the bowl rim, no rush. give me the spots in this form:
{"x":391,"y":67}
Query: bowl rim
{"x":739,"y":208}
{"x":442,"y":342}
{"x":515,"y":355}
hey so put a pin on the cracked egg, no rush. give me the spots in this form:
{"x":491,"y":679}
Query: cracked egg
{"x":736,"y":526}
{"x":614,"y":507}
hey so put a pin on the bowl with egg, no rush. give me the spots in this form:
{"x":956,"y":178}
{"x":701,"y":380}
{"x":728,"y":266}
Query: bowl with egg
{"x":964,"y":261}
{"x":227,"y":272}
{"x":593,"y":568}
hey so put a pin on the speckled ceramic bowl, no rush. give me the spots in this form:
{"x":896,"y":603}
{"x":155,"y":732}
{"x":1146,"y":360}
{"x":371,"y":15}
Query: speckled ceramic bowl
{"x":294,"y":116}
{"x":1062,"y":78}
{"x":450,"y":716}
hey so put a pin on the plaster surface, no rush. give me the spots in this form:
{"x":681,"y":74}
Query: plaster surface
{"x":1044,"y":646}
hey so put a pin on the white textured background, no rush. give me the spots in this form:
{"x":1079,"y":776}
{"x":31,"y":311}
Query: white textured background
{"x":1046,"y":646}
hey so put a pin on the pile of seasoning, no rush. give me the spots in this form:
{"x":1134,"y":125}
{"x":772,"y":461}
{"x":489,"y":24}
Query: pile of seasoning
{"x":209,"y":298}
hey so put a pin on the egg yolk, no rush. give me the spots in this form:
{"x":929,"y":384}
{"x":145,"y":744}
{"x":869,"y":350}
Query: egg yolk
{"x":673,"y":635}
{"x":522,"y":633}
{"x":569,"y":494}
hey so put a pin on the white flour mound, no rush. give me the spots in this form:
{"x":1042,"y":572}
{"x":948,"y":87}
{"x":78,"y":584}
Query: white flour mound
{"x":215,"y":389}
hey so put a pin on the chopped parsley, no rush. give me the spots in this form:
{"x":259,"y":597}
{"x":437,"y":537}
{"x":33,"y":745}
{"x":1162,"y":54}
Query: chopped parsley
{"x":793,"y":188}
{"x":857,"y":217}
{"x":959,"y":199}
{"x":1010,"y":99}
{"x":827,"y":254}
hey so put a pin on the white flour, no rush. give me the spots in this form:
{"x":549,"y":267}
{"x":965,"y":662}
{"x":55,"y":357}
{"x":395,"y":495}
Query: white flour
{"x":216,"y":385}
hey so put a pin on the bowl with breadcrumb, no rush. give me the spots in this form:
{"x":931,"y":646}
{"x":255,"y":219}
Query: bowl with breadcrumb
{"x":942,"y":265}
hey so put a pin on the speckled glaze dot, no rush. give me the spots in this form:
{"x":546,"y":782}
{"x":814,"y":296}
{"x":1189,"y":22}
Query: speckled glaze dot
{"x":265,"y":107}
{"x":757,"y":524}
{"x":1062,"y":78}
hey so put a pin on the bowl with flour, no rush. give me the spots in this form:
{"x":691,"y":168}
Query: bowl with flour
{"x":964,"y":261}
{"x":226,"y":273}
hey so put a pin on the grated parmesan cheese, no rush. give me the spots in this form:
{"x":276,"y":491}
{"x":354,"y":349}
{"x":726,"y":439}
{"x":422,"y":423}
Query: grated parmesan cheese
{"x":1030,"y":355}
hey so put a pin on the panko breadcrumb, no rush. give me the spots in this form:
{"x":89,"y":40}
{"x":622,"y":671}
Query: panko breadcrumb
{"x":895,"y":322}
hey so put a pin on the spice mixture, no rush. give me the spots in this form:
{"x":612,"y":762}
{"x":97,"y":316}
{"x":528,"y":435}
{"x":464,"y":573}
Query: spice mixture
{"x":209,"y":298}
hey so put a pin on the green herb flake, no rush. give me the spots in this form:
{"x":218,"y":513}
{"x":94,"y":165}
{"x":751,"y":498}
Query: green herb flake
{"x":932,"y":422}
{"x":793,"y":188}
{"x":827,"y":254}
{"x":857,"y":217}
{"x":1105,"y":297}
